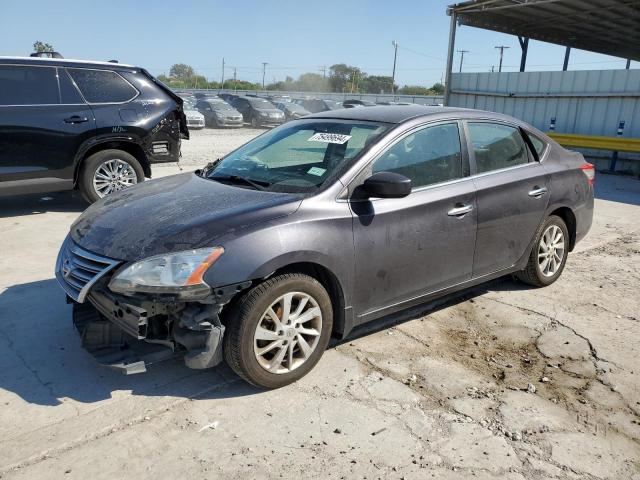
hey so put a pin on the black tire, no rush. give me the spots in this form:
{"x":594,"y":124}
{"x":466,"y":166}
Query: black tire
{"x":532,"y":273}
{"x":254,"y":122}
{"x":243,"y":318}
{"x":92,"y":163}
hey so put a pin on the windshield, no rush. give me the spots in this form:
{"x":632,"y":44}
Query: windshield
{"x":298,"y":157}
{"x":260,"y":103}
{"x":221,"y":106}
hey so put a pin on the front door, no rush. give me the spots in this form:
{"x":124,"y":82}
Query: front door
{"x":409,"y":247}
{"x":512,"y":195}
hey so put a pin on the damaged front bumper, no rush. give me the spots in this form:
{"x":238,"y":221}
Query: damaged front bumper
{"x":128,"y":333}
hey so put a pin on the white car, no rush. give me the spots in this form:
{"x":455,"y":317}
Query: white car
{"x":195,"y":120}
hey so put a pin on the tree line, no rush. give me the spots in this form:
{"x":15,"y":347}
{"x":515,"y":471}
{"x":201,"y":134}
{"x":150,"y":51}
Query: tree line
{"x":340,"y":78}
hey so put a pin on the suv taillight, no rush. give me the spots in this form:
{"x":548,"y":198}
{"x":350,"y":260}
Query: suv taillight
{"x":590,"y":171}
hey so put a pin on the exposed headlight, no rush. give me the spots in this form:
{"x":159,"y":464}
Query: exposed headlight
{"x":177,"y":273}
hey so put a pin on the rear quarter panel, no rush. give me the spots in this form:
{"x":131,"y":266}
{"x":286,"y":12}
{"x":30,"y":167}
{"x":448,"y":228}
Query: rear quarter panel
{"x":569,"y":187}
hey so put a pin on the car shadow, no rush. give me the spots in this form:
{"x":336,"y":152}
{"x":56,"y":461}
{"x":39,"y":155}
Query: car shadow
{"x":502,"y":284}
{"x":36,"y":204}
{"x":43,"y":361}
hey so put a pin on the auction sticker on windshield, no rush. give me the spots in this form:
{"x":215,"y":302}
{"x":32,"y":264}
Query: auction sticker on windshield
{"x":330,"y":138}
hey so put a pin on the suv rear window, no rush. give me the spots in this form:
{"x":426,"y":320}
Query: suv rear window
{"x":22,"y":85}
{"x":102,"y":86}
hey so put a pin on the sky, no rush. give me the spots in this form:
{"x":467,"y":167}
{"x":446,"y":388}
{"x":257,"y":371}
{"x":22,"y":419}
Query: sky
{"x":293,"y":37}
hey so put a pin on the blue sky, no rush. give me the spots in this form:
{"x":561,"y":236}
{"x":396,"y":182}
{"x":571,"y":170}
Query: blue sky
{"x":292,"y":36}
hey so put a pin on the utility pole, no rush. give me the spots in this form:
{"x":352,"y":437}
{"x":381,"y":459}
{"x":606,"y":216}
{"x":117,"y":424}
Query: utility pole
{"x":628,"y":64}
{"x":323,"y":69}
{"x":222,"y":80}
{"x":393,"y":75}
{"x":264,"y":69}
{"x":501,"y":48}
{"x":462,"y":52}
{"x":235,"y":85}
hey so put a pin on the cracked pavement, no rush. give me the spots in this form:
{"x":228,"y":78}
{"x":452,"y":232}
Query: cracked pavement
{"x":502,"y":381}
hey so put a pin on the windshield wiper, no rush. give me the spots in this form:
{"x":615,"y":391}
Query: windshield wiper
{"x":239,"y":179}
{"x":208,"y":168}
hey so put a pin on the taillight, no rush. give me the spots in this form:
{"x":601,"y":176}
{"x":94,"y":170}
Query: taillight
{"x":590,"y":171}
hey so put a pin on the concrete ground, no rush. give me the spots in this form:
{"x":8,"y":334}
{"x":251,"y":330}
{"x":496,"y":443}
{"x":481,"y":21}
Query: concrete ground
{"x":503,"y":381}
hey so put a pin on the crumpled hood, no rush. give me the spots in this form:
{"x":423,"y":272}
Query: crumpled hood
{"x":179,"y":212}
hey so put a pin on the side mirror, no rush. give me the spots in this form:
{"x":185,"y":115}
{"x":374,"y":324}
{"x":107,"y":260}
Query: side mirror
{"x":387,"y":185}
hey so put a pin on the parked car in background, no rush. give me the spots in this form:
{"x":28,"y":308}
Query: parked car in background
{"x":315,"y":105}
{"x":321,"y":225}
{"x":388,"y":102}
{"x":292,"y":111}
{"x":227,"y":97}
{"x":357,"y":103}
{"x":94,"y":126}
{"x":195,"y":119}
{"x":259,"y":112}
{"x":218,"y":113}
{"x":279,"y":99}
{"x":200,"y":95}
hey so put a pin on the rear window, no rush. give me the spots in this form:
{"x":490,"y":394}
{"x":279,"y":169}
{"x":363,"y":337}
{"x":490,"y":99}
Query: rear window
{"x":22,"y":85}
{"x":538,"y":145}
{"x":102,"y":86}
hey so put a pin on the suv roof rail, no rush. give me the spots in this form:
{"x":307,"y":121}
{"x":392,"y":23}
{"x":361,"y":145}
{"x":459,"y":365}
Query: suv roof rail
{"x":46,"y":55}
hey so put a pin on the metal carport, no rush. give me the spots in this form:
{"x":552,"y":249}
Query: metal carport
{"x":611,"y":27}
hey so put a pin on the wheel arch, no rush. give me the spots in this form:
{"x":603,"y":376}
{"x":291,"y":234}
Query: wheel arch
{"x":569,"y":218}
{"x":128,"y":146}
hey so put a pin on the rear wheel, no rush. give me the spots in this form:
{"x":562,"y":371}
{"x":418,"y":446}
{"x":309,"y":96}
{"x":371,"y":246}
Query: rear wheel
{"x":548,"y":255}
{"x":108,"y":171}
{"x":278,"y":330}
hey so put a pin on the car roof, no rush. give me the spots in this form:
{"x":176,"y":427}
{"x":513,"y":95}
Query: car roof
{"x":65,"y":62}
{"x":402,"y":113}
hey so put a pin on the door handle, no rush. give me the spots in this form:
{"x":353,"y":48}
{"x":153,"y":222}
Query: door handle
{"x":538,"y":192}
{"x":460,"y":211}
{"x":76,"y":119}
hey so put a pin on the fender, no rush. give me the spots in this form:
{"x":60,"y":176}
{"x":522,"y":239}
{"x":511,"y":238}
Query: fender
{"x":100,"y":140}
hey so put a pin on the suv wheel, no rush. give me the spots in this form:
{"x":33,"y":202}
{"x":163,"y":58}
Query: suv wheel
{"x":278,"y":331}
{"x":109,"y":171}
{"x":548,"y":255}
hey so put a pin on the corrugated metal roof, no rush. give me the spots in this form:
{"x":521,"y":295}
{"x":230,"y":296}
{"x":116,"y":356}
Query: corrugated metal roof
{"x":611,"y":27}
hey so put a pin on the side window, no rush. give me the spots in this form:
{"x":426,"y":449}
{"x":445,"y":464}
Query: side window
{"x":497,"y":146}
{"x":538,"y":145}
{"x":69,"y":94}
{"x":430,"y":155}
{"x":102,"y":86}
{"x":23,"y":85}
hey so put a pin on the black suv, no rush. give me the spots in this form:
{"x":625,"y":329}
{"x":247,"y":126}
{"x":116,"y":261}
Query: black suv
{"x":96,"y":126}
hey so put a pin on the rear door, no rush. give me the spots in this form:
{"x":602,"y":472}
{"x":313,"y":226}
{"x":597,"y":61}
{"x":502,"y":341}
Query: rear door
{"x":512,"y":194}
{"x":43,"y":122}
{"x":409,"y":247}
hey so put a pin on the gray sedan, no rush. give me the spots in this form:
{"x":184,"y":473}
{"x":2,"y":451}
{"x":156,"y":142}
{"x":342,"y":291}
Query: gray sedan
{"x":321,"y":225}
{"x":218,"y":113}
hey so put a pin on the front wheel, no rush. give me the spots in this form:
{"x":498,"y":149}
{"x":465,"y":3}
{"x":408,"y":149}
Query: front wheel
{"x":108,"y":171}
{"x":548,"y":255}
{"x":278,"y":330}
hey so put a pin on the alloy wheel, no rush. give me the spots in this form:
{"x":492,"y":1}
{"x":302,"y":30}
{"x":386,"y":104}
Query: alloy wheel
{"x":288,"y":333}
{"x":551,"y":250}
{"x":112,"y":176}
